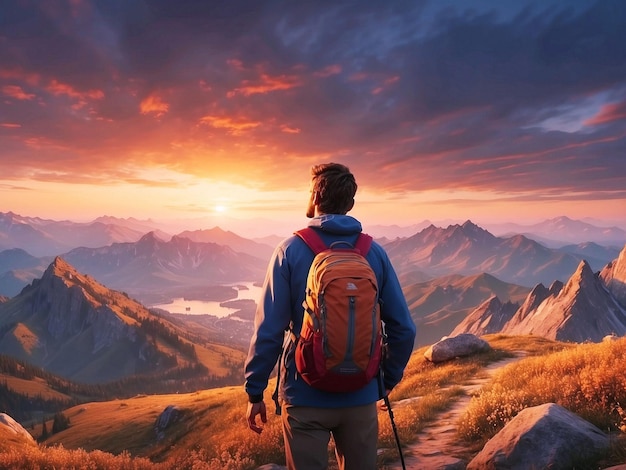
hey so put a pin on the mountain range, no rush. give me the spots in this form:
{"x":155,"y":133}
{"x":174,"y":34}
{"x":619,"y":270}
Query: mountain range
{"x":560,"y":231}
{"x":43,"y":237}
{"x":73,"y":326}
{"x":469,"y":249}
{"x":153,"y":265}
{"x":438,"y":305}
{"x":588,"y":307}
{"x":137,"y":263}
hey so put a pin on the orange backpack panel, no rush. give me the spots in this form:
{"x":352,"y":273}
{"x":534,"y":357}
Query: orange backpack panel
{"x":340,"y":344}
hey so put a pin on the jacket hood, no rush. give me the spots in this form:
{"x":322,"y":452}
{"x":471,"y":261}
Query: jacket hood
{"x":336,"y":223}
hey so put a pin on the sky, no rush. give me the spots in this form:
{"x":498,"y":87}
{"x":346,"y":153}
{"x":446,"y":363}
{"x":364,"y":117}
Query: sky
{"x":208,"y":111}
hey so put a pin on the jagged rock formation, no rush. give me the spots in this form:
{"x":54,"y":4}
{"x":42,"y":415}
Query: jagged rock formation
{"x":587,"y":308}
{"x":490,"y":317}
{"x":614,"y":277}
{"x":535,"y":298}
{"x":582,"y":311}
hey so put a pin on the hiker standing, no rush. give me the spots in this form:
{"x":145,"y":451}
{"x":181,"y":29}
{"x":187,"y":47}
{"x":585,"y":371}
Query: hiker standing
{"x":310,"y":414}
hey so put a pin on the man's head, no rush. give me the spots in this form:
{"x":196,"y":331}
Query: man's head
{"x":332,"y":189}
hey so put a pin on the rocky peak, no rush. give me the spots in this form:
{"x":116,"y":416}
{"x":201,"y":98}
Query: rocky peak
{"x":614,"y":277}
{"x":533,"y":300}
{"x":582,"y":279}
{"x":582,"y":310}
{"x":555,"y":287}
{"x":59,"y":268}
{"x":488,"y":317}
{"x":148,"y":244}
{"x":474,"y":231}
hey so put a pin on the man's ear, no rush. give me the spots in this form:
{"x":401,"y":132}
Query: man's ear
{"x":316,"y":198}
{"x":351,"y":205}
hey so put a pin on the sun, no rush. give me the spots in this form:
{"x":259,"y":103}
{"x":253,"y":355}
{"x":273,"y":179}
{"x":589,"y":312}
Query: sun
{"x":220,"y":209}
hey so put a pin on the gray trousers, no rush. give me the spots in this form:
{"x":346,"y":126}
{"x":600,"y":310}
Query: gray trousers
{"x":307,"y":434}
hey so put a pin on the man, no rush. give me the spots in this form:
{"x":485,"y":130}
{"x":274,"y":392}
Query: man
{"x":310,"y":416}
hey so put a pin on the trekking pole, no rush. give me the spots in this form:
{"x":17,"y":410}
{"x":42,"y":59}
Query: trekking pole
{"x":395,"y":430}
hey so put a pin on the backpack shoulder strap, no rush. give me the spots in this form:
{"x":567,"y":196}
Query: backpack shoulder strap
{"x":315,"y":242}
{"x":363,"y":243}
{"x":312,"y":239}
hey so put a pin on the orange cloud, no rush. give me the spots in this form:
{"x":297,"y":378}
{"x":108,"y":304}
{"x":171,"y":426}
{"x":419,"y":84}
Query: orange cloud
{"x":608,"y":113}
{"x":30,"y":78}
{"x":154,"y":104}
{"x":10,"y":125}
{"x":232,"y":125}
{"x":266,"y":84}
{"x":57,"y":88}
{"x":289,"y":130}
{"x":17,"y":92}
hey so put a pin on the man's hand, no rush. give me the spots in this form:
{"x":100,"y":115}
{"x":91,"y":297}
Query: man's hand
{"x":382,"y":406}
{"x":255,"y":409}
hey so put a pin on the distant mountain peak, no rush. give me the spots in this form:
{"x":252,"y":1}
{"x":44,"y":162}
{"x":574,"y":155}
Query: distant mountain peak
{"x":148,"y":237}
{"x":468,"y":224}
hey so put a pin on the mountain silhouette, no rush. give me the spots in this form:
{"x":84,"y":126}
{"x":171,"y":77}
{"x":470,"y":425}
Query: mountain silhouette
{"x":75,"y":327}
{"x":468,"y":249}
{"x":152,"y":263}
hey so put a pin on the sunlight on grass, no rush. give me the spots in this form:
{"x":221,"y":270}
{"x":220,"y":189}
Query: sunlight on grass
{"x":582,"y":379}
{"x":212,"y":433}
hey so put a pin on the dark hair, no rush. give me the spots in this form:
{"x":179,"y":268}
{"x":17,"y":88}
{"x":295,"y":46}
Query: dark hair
{"x":336,"y":187}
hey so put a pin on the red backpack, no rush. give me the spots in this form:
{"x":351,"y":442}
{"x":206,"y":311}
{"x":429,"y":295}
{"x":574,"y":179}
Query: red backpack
{"x":339,"y":348}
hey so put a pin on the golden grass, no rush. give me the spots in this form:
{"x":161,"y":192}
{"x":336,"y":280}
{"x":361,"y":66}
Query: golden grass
{"x":587,"y":379}
{"x":212,"y":433}
{"x":33,"y":387}
{"x":10,"y":441}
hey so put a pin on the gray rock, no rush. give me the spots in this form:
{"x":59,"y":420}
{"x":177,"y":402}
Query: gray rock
{"x":544,"y":436}
{"x":169,"y":416}
{"x":457,"y":346}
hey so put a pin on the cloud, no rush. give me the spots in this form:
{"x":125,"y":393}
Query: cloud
{"x":17,"y":92}
{"x":412,"y":95}
{"x":608,"y":113}
{"x":153,"y":104}
{"x":234,"y":126}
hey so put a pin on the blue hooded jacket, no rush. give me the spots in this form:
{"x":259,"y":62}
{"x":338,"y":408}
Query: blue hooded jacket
{"x":280,"y":307}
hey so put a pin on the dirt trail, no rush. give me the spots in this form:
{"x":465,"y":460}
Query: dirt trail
{"x":437,"y":443}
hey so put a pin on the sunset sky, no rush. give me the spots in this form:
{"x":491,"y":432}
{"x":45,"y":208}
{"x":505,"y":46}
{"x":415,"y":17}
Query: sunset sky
{"x":489,"y":110}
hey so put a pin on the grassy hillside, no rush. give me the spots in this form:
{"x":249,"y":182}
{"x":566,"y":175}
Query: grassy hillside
{"x":211,"y":433}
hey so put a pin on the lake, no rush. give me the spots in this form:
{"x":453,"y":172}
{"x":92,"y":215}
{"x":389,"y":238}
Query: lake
{"x":211,"y":307}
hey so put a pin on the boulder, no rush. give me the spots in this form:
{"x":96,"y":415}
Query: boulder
{"x":456,"y":346}
{"x":15,"y":427}
{"x":169,"y":416}
{"x":544,"y":436}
